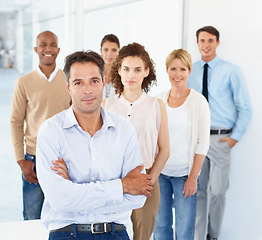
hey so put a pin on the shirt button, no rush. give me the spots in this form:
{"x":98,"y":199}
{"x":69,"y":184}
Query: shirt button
{"x":131,"y":104}
{"x":128,"y":115}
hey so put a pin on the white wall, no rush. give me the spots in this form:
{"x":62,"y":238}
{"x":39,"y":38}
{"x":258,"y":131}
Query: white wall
{"x":240,"y":26}
{"x":155,"y":23}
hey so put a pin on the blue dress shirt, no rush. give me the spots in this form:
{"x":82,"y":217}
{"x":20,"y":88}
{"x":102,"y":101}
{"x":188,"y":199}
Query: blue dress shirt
{"x":227,"y":95}
{"x":95,"y":165}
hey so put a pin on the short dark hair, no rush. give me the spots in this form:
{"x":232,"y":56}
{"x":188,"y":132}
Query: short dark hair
{"x":110,"y":38}
{"x":132,"y":50}
{"x":209,"y":29}
{"x":82,"y":57}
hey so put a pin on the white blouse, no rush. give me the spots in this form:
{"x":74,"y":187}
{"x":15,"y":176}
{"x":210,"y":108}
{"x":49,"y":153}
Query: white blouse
{"x":178,"y":124}
{"x":145,"y":116}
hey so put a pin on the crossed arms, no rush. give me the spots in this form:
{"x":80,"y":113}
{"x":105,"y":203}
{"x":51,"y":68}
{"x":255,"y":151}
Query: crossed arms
{"x":119,"y":186}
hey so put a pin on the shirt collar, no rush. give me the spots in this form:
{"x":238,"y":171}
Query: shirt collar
{"x":70,"y":119}
{"x":52,"y":76}
{"x":107,"y":120}
{"x":211,"y":63}
{"x":137,"y":102}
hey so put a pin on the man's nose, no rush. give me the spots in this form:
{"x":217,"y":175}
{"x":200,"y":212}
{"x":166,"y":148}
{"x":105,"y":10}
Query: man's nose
{"x":87,"y":89}
{"x":206,"y":44}
{"x":48,"y":48}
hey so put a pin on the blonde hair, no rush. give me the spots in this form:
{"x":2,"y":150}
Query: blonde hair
{"x":181,"y":54}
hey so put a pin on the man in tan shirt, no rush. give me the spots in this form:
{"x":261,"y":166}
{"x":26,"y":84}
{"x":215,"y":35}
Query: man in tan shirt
{"x":38,"y":95}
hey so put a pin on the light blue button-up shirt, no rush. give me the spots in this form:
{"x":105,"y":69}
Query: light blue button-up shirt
{"x":95,"y":165}
{"x":227,"y":95}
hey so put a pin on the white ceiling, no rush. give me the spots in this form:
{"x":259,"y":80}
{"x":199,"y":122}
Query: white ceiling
{"x":9,"y":6}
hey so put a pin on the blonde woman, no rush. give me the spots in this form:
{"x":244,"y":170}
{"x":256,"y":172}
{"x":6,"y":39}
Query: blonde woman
{"x":189,"y":128}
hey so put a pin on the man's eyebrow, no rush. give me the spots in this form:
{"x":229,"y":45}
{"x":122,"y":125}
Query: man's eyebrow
{"x":80,"y":79}
{"x":77,"y":79}
{"x":94,"y":78}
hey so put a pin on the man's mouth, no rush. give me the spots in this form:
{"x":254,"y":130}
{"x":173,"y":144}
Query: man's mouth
{"x":88,"y":99}
{"x":206,"y":51}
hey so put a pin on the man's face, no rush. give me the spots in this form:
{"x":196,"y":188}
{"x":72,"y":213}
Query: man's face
{"x":47,"y":48}
{"x":86,"y":88}
{"x":207,"y":44}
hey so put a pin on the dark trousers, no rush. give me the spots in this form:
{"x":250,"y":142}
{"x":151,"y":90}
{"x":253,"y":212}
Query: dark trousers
{"x":121,"y":235}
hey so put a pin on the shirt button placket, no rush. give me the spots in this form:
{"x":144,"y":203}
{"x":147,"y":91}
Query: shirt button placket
{"x":93,"y":158}
{"x":129,"y":110}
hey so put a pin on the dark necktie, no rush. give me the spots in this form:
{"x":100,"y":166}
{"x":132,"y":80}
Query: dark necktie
{"x":204,"y":89}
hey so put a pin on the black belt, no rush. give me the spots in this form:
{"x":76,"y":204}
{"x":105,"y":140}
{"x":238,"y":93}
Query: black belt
{"x":93,"y":228}
{"x":220,"y":131}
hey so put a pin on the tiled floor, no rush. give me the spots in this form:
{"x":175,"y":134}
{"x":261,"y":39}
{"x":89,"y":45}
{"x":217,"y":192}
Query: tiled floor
{"x":10,"y":176}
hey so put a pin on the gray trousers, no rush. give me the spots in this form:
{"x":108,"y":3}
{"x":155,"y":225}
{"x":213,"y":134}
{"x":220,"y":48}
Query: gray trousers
{"x":213,"y":182}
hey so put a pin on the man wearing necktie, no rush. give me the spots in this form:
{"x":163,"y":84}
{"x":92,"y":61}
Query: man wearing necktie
{"x":224,"y":88}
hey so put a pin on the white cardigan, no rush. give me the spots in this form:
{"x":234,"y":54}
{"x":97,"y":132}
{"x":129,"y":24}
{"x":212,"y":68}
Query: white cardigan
{"x":199,"y":123}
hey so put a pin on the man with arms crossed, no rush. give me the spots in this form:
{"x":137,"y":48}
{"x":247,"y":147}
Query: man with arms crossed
{"x":230,"y":114}
{"x":38,"y":95}
{"x":93,"y":192}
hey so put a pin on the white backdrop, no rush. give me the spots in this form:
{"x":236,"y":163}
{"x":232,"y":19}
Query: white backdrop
{"x":156,"y":25}
{"x":240,"y":26}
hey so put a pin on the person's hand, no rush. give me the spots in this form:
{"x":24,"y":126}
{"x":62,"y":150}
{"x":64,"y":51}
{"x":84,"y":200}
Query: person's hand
{"x":231,"y":142}
{"x":27,"y":168}
{"x":137,"y":183}
{"x":190,"y":187}
{"x":61,"y":168}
